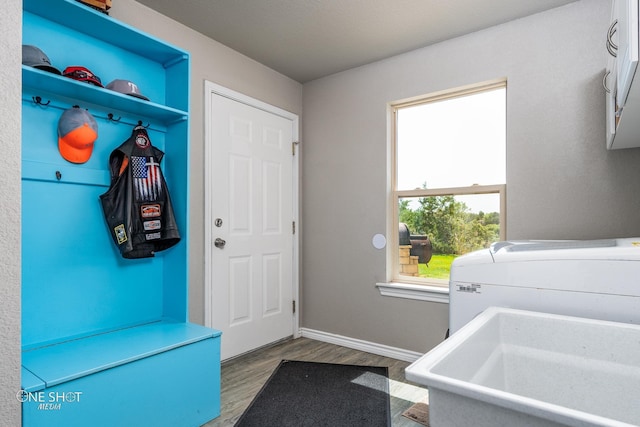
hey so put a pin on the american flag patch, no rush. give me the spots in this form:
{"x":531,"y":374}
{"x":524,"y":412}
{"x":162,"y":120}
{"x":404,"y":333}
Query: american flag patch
{"x":146,"y":178}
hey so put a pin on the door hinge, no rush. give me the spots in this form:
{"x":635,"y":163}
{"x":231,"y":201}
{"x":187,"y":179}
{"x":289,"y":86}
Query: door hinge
{"x":293,"y":227}
{"x":293,"y":147}
{"x":294,"y":306}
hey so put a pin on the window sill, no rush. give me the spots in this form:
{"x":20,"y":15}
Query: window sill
{"x":416,"y":292}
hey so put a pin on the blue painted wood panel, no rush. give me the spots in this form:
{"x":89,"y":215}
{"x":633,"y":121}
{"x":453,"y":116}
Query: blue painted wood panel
{"x":105,"y":339}
{"x":57,"y":364}
{"x":74,"y":281}
{"x":175,"y":388}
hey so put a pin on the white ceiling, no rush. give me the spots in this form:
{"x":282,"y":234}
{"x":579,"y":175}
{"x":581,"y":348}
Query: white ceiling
{"x":308,"y":39}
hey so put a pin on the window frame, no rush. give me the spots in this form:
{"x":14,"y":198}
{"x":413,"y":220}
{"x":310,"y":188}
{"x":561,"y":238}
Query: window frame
{"x":412,"y":287}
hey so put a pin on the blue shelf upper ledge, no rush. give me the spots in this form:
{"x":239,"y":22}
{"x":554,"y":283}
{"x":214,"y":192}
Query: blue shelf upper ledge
{"x":79,"y":17}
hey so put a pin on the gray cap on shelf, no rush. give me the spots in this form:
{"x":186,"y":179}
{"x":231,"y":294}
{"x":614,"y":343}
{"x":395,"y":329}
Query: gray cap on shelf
{"x":33,"y":56}
{"x":127,"y":87}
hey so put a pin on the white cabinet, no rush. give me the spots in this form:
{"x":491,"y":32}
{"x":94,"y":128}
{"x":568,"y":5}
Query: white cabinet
{"x":626,"y":29}
{"x":623,"y":95}
{"x":609,"y":83}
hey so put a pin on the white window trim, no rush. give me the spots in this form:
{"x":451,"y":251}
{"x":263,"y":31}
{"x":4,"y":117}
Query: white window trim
{"x":424,"y":291}
{"x":415,"y":292}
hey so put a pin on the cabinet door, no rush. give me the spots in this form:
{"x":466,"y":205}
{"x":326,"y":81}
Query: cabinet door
{"x":609,"y":84}
{"x":627,"y":35}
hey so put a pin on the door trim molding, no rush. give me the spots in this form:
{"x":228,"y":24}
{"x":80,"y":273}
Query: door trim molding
{"x":211,"y":88}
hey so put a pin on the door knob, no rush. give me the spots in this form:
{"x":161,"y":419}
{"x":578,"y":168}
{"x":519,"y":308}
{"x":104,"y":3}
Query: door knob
{"x":219,"y":243}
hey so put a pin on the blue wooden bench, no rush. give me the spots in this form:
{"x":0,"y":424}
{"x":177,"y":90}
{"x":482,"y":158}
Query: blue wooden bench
{"x":156,"y":374}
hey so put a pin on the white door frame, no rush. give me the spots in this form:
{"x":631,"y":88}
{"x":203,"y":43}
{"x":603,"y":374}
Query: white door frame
{"x":213,"y":88}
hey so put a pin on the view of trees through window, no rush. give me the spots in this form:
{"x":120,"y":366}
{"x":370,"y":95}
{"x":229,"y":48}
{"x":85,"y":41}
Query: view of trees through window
{"x":450,"y":176}
{"x":451,"y":227}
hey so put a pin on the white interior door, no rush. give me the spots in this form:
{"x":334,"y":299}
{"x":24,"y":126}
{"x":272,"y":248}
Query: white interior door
{"x":251,"y":215}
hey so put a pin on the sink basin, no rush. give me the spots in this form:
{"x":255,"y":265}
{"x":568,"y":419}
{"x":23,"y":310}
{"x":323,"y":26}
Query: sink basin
{"x":522,"y":368}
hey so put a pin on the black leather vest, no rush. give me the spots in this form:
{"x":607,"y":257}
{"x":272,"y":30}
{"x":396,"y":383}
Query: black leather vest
{"x":137,"y":206}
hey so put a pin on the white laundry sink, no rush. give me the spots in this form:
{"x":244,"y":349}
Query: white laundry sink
{"x":521,"y":368}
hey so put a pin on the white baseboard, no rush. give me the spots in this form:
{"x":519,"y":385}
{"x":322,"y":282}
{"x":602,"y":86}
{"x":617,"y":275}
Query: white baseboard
{"x":356,"y":344}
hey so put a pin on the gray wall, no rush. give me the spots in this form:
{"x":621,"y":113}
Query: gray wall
{"x":10,"y":41}
{"x":561,"y":182}
{"x":215,"y":62}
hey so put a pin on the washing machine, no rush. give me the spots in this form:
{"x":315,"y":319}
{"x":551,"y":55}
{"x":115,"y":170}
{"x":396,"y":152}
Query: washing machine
{"x":597,"y":279}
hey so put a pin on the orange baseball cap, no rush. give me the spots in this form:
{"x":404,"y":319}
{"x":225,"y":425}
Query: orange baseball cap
{"x":77,"y":131}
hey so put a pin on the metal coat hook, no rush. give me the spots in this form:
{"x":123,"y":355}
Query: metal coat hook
{"x":111,"y":119}
{"x":139,"y":125}
{"x":58,"y":175}
{"x":38,"y":100}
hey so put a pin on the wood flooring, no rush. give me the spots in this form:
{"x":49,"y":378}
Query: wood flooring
{"x":244,"y":376}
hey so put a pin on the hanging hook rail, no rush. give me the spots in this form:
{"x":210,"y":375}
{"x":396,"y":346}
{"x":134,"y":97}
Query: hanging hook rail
{"x":110,"y":117}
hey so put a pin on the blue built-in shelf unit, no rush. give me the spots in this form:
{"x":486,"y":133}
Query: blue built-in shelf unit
{"x":105,"y":340}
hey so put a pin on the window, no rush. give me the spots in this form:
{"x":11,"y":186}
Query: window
{"x":448,"y":189}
